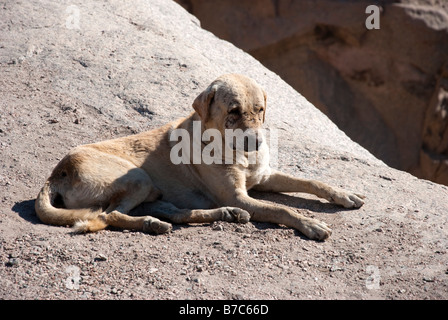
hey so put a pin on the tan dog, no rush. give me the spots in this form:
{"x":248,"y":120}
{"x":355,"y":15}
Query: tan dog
{"x":96,"y":185}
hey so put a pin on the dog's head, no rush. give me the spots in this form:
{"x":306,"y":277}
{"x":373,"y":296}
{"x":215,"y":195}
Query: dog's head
{"x":234,"y":102}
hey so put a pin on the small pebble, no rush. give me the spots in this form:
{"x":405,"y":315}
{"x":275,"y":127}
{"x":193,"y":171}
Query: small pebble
{"x":100,"y":257}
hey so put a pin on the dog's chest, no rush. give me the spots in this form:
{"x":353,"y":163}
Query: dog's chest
{"x":257,"y":172}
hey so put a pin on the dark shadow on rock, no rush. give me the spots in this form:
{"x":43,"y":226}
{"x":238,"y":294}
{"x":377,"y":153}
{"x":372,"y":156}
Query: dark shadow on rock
{"x":294,"y":202}
{"x":25,"y":210}
{"x":298,"y":202}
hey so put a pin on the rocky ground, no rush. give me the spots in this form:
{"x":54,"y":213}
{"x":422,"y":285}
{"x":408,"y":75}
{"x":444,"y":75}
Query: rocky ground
{"x":74,"y":72}
{"x":380,"y":87}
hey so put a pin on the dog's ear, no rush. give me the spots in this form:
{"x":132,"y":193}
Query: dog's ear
{"x":203,"y":102}
{"x":265,"y":104}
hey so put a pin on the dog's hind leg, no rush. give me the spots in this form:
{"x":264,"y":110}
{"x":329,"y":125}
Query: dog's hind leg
{"x":139,"y":188}
{"x":117,"y":216}
{"x":129,"y":190}
{"x":167,"y":210}
{"x":146,"y":223}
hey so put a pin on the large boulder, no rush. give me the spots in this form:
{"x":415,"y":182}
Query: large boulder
{"x":78,"y":72}
{"x":387,"y":88}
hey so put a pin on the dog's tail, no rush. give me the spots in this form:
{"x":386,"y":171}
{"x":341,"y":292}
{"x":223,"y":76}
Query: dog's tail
{"x":82,"y":220}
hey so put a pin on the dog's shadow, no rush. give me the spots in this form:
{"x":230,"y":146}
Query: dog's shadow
{"x":297,"y":202}
{"x":25,"y":209}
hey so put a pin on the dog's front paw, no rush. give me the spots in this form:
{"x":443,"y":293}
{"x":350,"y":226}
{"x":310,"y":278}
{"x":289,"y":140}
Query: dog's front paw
{"x":315,"y":229}
{"x":348,"y":200}
{"x":231,"y":214}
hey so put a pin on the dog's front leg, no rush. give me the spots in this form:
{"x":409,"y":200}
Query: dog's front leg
{"x":263,"y":212}
{"x":167,"y":210}
{"x":282,"y":182}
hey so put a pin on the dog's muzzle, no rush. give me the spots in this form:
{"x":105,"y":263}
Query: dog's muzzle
{"x":249,"y":140}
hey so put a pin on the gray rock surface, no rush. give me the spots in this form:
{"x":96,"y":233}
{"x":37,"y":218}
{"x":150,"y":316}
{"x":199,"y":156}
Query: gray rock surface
{"x":386,"y":88}
{"x":75,"y":72}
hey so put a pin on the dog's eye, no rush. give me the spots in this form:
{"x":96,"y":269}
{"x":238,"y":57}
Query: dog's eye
{"x":235,"y":111}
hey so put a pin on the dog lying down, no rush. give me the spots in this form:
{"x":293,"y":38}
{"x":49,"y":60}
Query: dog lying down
{"x":96,"y":185}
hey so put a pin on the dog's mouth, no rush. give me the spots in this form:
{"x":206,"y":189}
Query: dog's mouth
{"x":248,"y":143}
